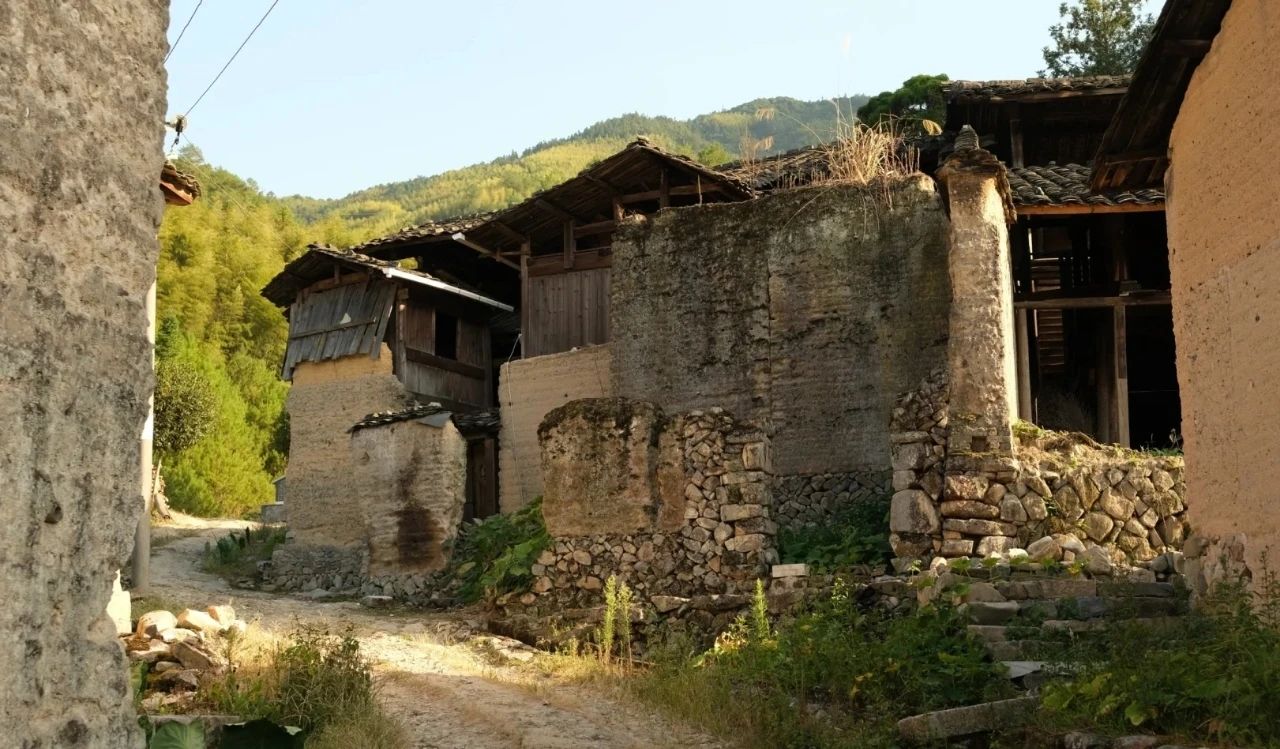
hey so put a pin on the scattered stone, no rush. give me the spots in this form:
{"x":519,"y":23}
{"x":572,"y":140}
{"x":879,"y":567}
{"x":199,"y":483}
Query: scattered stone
{"x":376,"y":602}
{"x":152,"y":623}
{"x":193,"y":655}
{"x":222,"y":614}
{"x":177,"y":634}
{"x":198,"y":621}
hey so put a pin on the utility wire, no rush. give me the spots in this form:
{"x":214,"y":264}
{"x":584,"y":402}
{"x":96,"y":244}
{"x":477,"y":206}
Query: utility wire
{"x":233,"y":57}
{"x":178,"y":41}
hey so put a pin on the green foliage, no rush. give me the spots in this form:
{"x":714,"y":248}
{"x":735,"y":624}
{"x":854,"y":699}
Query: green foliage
{"x":918,"y":99}
{"x":237,"y":554}
{"x":495,"y":555}
{"x":317,"y":681}
{"x":833,"y":677}
{"x":184,"y":404}
{"x":858,"y":534}
{"x":1210,"y":676}
{"x":175,"y":735}
{"x":1097,"y":37}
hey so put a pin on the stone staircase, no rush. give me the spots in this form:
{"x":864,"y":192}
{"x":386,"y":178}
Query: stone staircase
{"x":1040,"y":620}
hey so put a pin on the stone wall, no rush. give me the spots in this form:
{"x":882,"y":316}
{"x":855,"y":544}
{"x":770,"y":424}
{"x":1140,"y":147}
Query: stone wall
{"x":414,"y":493}
{"x":815,"y":499}
{"x":706,"y":527}
{"x":806,"y":312}
{"x":528,"y":389}
{"x":326,"y":486}
{"x":1056,"y":486}
{"x":312,"y":567}
{"x":81,"y":105}
{"x":1224,"y":253}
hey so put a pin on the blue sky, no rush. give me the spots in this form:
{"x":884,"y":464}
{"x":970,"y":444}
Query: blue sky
{"x":331,"y":96}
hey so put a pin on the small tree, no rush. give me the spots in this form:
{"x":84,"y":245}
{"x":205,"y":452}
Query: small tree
{"x":1097,"y":37}
{"x":917,"y":102}
{"x":185,"y":405}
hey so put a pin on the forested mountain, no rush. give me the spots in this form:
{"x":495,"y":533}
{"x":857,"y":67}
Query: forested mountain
{"x":764,"y":125}
{"x":221,"y":432}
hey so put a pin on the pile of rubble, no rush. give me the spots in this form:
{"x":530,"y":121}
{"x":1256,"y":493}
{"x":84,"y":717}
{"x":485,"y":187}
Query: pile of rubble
{"x":179,"y":649}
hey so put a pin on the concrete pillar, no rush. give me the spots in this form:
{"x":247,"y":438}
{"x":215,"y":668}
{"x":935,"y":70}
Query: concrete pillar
{"x":981,"y":356}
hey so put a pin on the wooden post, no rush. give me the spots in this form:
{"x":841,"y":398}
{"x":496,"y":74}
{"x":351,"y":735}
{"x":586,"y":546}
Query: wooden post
{"x":570,"y":243}
{"x":1121,"y":340}
{"x":524,"y":301}
{"x":1025,"y":411}
{"x":664,"y":190}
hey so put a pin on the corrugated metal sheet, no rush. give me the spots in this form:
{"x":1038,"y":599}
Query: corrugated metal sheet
{"x":342,"y":321}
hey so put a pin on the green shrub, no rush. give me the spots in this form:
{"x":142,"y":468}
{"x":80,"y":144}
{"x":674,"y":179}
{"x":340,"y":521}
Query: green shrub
{"x":1211,"y":676}
{"x":237,"y":554}
{"x":832,"y":677}
{"x":858,"y":534}
{"x":495,"y":555}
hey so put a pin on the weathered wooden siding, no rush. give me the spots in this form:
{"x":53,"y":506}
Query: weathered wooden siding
{"x":342,"y":321}
{"x":464,"y":379}
{"x":567,"y":310}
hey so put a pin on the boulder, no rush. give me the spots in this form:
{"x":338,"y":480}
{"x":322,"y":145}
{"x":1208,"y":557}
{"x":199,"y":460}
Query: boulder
{"x":153,"y":623}
{"x":911,"y":511}
{"x":1044,"y":550}
{"x":192,"y":654}
{"x":198,"y":621}
{"x":223,"y":614}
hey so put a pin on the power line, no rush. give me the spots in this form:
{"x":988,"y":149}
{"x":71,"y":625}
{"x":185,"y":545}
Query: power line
{"x":178,"y":41}
{"x":233,"y":56}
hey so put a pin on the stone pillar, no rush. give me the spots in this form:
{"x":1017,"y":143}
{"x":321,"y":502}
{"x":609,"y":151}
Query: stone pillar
{"x":981,"y":353}
{"x":82,"y":104}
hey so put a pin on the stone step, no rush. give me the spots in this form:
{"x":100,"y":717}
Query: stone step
{"x":1000,"y":632}
{"x":966,"y":721}
{"x":1077,"y":587}
{"x":1097,"y":607}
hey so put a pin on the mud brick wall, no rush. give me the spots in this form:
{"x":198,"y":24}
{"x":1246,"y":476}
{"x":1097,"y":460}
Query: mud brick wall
{"x":529,"y":389}
{"x":81,"y":106}
{"x":806,"y":312}
{"x":414,"y":494}
{"x":709,"y":532}
{"x":325,"y":484}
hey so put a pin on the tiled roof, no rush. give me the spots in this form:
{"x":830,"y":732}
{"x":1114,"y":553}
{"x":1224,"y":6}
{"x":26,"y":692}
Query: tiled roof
{"x":1068,"y":184}
{"x":429,"y":230}
{"x":482,"y":422}
{"x":961,"y":91}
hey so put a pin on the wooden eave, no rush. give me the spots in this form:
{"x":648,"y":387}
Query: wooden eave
{"x":1087,"y":209}
{"x":174,"y":195}
{"x":1135,"y":148}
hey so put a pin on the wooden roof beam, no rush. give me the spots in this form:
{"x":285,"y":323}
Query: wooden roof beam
{"x":547,"y":205}
{"x":1073,"y":209}
{"x":461,"y":239}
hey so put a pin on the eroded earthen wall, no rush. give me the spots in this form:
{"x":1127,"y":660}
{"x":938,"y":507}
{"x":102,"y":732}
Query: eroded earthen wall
{"x":528,"y":390}
{"x":674,"y":506}
{"x":326,"y":486}
{"x":806,"y":311}
{"x":81,"y":106}
{"x":412,"y":502}
{"x":1224,"y":241}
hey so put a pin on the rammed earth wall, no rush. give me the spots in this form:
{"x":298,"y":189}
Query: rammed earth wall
{"x":81,"y":105}
{"x":806,"y":312}
{"x":695,"y":492}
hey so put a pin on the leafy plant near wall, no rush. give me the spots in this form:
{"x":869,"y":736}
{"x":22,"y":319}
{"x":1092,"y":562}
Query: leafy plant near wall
{"x":496,"y":555}
{"x":858,"y":534}
{"x":1210,"y":676}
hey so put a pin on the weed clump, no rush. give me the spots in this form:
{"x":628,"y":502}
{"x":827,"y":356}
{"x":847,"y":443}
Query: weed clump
{"x":237,"y":554}
{"x":858,"y":534}
{"x":496,"y":555}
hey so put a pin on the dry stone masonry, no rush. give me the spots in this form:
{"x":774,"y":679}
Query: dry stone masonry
{"x":815,"y":499}
{"x":1058,"y":496}
{"x":704,"y":525}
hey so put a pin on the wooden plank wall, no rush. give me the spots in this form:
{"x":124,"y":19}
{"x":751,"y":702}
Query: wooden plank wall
{"x":565,"y":310}
{"x":342,"y":321}
{"x":467,"y":383}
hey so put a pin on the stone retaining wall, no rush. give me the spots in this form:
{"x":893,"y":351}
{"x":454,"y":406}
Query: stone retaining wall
{"x":722,"y":539}
{"x":311,"y":567}
{"x":814,"y":499}
{"x":1063,"y":487}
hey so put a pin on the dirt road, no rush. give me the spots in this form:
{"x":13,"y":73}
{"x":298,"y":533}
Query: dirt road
{"x":438,"y":677}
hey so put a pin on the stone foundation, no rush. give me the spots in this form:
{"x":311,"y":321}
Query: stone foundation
{"x":1061,"y":486}
{"x":308,"y":567}
{"x":713,"y":534}
{"x":814,"y":499}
